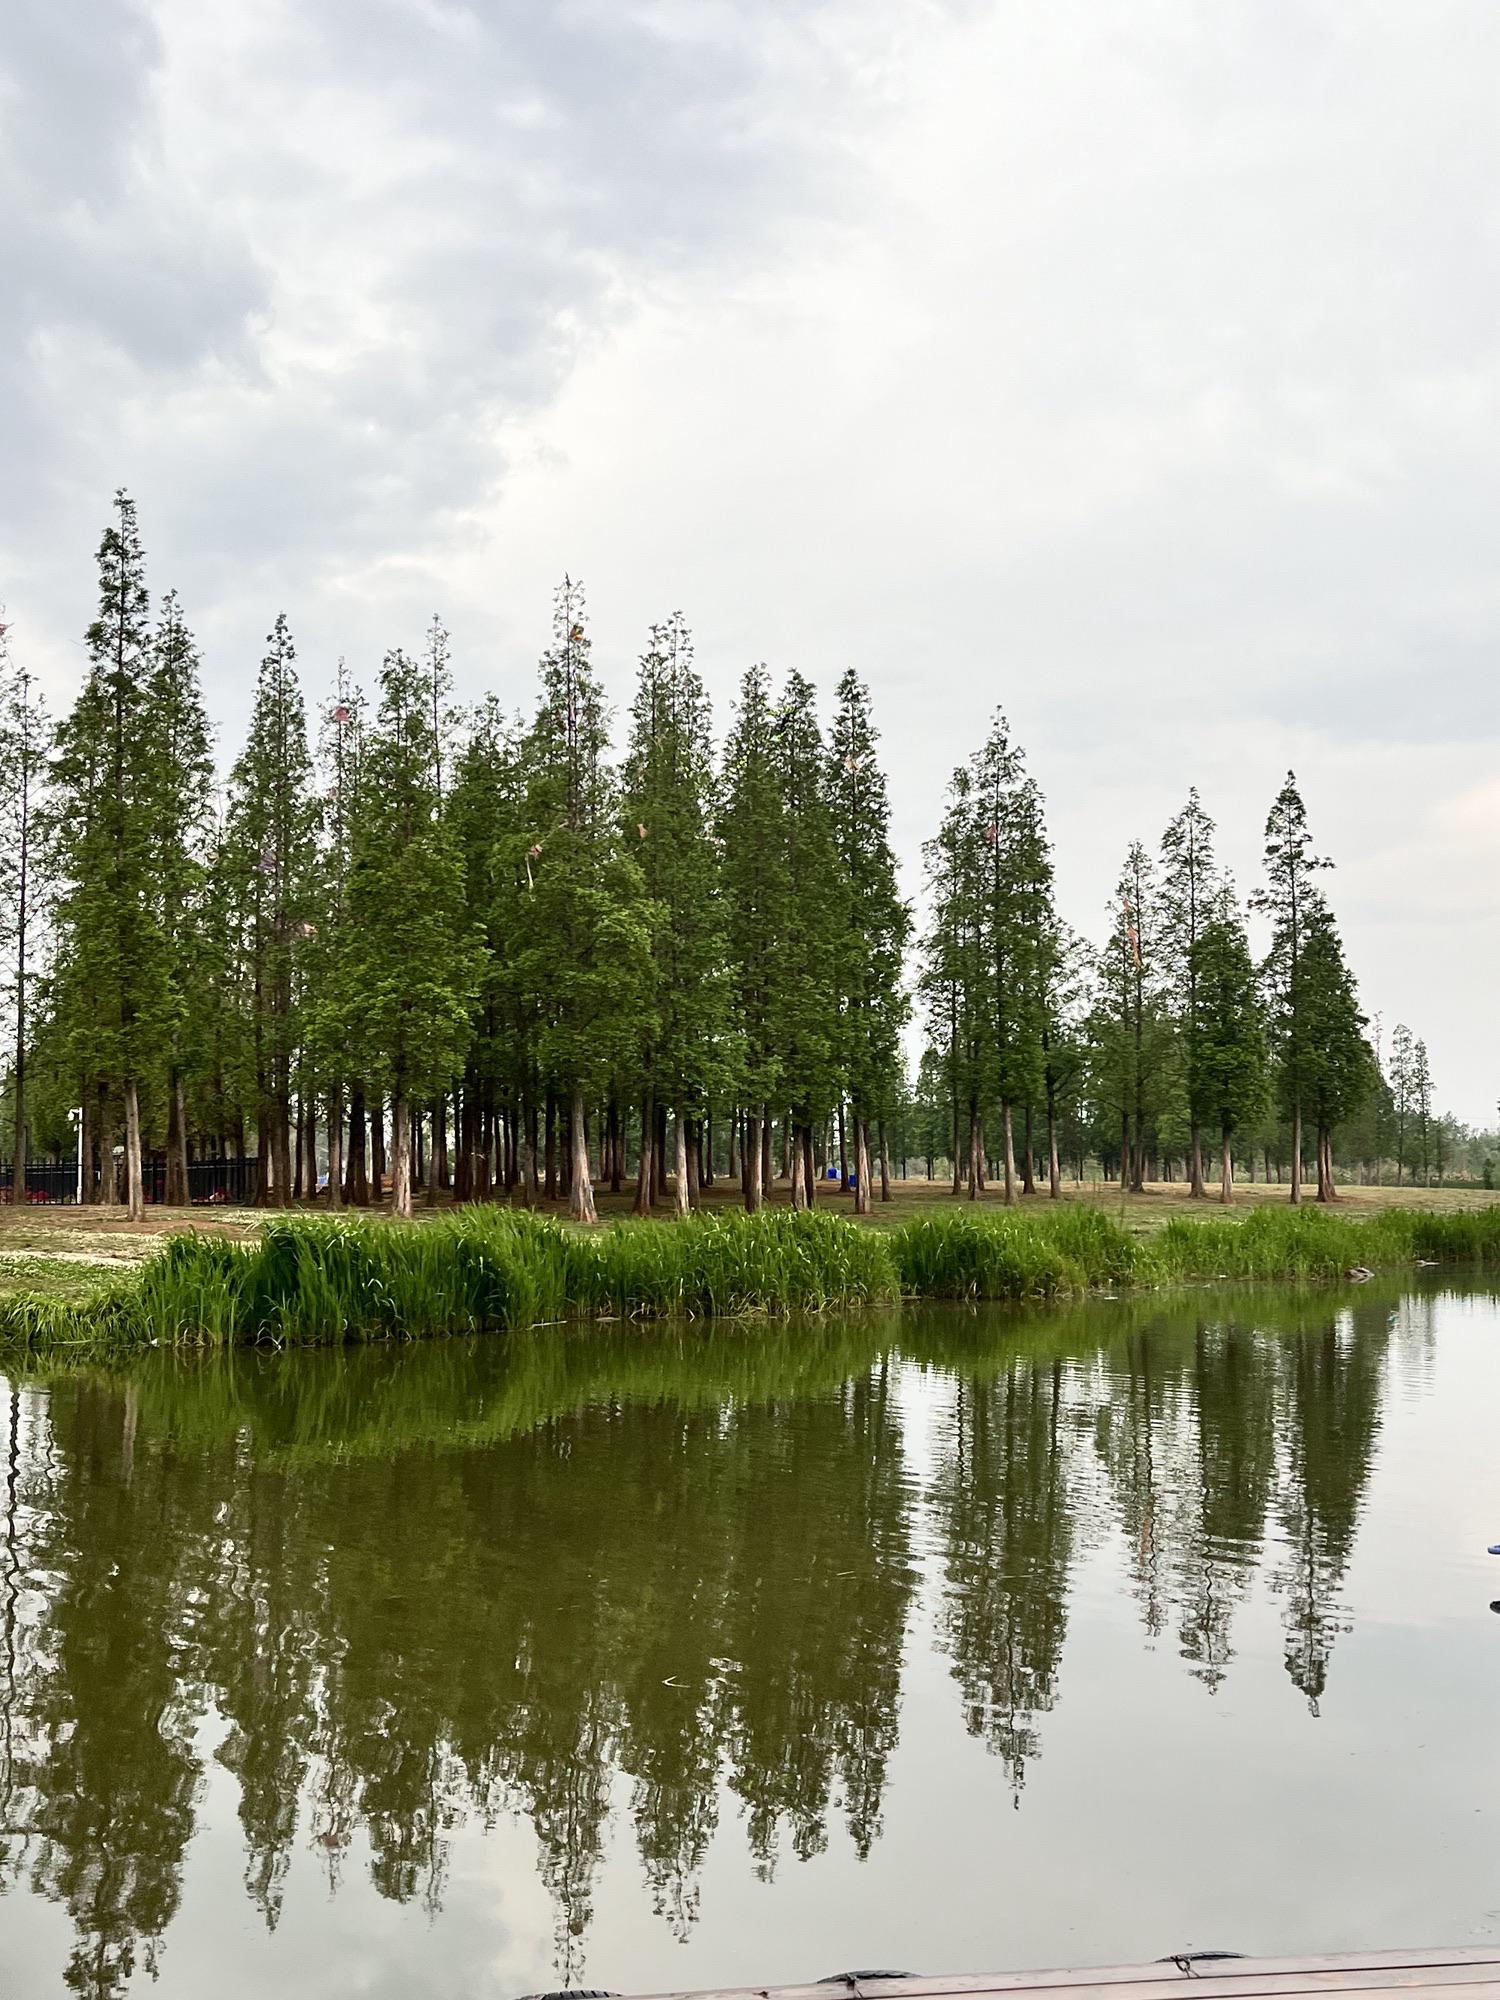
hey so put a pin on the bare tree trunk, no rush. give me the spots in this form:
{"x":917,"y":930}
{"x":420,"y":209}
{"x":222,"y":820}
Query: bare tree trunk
{"x":580,"y":1187}
{"x":1196,"y":1188}
{"x":1028,"y":1169}
{"x":175,"y":1192}
{"x":885,"y":1163}
{"x":765,"y":1149}
{"x":1008,"y":1129}
{"x":1296,"y":1196}
{"x":796,"y":1167}
{"x":549,"y":1149}
{"x":645,"y":1191}
{"x":751,"y":1165}
{"x":90,"y":1193}
{"x":809,"y":1167}
{"x":844,"y":1155}
{"x":616,"y":1147}
{"x":400,"y":1154}
{"x":976,"y":1155}
{"x":135,"y":1184}
{"x":680,"y":1194}
{"x":529,"y":1176}
{"x":862,"y":1203}
{"x":357,"y":1172}
{"x":695,"y":1163}
{"x":1226,"y":1169}
{"x":336,"y":1147}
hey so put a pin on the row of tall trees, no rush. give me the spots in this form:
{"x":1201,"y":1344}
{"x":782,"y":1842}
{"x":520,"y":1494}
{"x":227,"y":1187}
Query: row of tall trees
{"x":410,"y":926}
{"x":1170,"y":1032}
{"x":475,"y":950}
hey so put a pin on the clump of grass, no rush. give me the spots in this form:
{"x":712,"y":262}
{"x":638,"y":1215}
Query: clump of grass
{"x":1011,"y":1255}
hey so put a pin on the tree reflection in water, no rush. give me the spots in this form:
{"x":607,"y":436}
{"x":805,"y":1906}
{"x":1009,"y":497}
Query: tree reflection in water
{"x":391,"y":1593}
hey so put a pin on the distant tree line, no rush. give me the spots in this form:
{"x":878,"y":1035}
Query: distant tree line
{"x":470,"y":951}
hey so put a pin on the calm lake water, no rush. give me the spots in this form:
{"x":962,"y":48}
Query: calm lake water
{"x":940,"y":1640}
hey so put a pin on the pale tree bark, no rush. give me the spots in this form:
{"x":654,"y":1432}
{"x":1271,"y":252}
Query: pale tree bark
{"x":755,"y":1191}
{"x":796,"y":1166}
{"x":695,"y":1163}
{"x":862,"y":1204}
{"x":765,"y":1147}
{"x":681,"y":1193}
{"x":1028,"y":1169}
{"x":1226,"y":1169}
{"x":580,"y":1188}
{"x":1196,"y":1188}
{"x":885,"y":1163}
{"x":336,"y":1147}
{"x":529,"y":1180}
{"x":134,"y":1183}
{"x":976,"y":1156}
{"x":1010,"y":1152}
{"x":400,"y":1154}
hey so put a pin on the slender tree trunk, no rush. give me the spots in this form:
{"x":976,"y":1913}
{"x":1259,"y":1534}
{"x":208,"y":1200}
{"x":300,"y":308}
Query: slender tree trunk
{"x":695,"y":1162}
{"x":377,"y":1151}
{"x":976,"y":1154}
{"x":797,"y":1168}
{"x":336,"y":1146}
{"x":357,"y":1167}
{"x":765,"y":1150}
{"x":645,"y":1192}
{"x":549,"y":1148}
{"x":529,"y":1175}
{"x":706,"y":1149}
{"x":1226,"y":1168}
{"x":175,"y":1192}
{"x":752,"y":1164}
{"x":1028,"y":1169}
{"x":809,"y":1167}
{"x":844,"y":1156}
{"x":134,"y":1181}
{"x":401,"y":1175}
{"x":885,"y":1162}
{"x":680,"y":1194}
{"x":580,"y":1187}
{"x":862,"y":1202}
{"x":616,"y":1147}
{"x":1196,"y":1189}
{"x":1296,"y":1196}
{"x":442,"y":1172}
{"x":1010,"y":1151}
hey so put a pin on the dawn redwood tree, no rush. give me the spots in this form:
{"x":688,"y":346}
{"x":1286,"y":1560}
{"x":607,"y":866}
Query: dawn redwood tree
{"x":753,"y":874}
{"x":1130,"y":1027}
{"x":1187,"y":888}
{"x":951,"y":983}
{"x":587,"y":925}
{"x":272,"y":841}
{"x":1403,"y":1057}
{"x":179,"y":812}
{"x":1290,"y":897}
{"x":24,"y":743}
{"x":667,"y":814}
{"x":804,"y":962}
{"x":111,"y":980}
{"x":409,"y":964}
{"x":1226,"y":1046}
{"x":873,"y":927}
{"x":1340,"y":1066}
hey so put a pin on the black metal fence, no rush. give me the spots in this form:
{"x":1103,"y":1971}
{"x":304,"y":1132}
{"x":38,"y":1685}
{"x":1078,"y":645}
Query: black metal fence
{"x":211,"y":1183}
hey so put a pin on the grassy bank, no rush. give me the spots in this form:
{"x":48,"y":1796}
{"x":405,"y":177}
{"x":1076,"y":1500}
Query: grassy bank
{"x":309,"y":1281}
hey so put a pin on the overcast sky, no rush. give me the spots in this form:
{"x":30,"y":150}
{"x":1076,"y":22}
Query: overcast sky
{"x":1131,"y":364}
